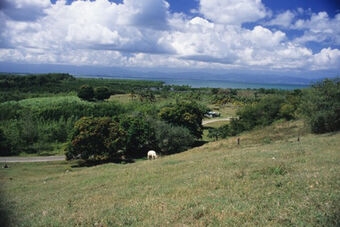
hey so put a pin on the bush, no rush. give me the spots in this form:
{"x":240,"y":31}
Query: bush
{"x":95,"y":138}
{"x":185,"y":114}
{"x":172,"y":139}
{"x":101,"y":93}
{"x":220,"y":132}
{"x":263,"y":113}
{"x":86,"y":92}
{"x":5,"y":148}
{"x":140,"y":137}
{"x":321,"y":106}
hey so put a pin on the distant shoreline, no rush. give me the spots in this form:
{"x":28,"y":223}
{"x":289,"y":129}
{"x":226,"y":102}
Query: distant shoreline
{"x":202,"y":83}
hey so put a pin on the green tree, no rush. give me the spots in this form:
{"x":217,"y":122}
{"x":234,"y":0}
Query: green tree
{"x":320,"y":106}
{"x":171,"y":139}
{"x":140,"y":136}
{"x":5,"y":148}
{"x":186,"y":114}
{"x":101,"y":93}
{"x":94,"y":138}
{"x":86,"y":92}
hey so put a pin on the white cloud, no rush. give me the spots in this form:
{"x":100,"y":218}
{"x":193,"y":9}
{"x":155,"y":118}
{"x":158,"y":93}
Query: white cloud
{"x":284,"y":19}
{"x":232,"y":11}
{"x":319,"y":28}
{"x":327,"y":58}
{"x":144,"y":33}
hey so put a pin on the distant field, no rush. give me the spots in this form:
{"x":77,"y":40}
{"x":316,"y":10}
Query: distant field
{"x":269,"y":180}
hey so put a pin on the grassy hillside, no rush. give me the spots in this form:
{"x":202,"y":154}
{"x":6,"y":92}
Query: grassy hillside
{"x":270,"y":179}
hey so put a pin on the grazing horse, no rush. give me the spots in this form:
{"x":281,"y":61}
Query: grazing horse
{"x":152,"y":154}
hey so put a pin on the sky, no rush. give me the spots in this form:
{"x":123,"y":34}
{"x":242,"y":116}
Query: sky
{"x":269,"y":37}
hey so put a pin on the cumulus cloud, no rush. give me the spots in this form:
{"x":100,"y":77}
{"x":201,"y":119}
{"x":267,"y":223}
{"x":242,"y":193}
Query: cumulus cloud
{"x":284,"y":19}
{"x":327,"y":58}
{"x":232,"y":11}
{"x":319,"y":28}
{"x":144,"y":33}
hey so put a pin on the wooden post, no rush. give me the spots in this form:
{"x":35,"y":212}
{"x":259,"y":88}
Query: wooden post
{"x":298,"y":139}
{"x":238,"y":141}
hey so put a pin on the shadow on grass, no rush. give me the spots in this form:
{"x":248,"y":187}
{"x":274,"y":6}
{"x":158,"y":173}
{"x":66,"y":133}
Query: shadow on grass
{"x":4,"y":213}
{"x":199,"y":143}
{"x":89,"y":163}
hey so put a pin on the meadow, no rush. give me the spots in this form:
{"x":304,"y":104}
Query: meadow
{"x":270,"y":179}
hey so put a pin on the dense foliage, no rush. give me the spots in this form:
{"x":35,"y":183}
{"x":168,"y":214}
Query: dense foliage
{"x":264,"y":112}
{"x":131,"y":137}
{"x":220,"y":132}
{"x":101,"y":93}
{"x":86,"y":92}
{"x":18,"y":87}
{"x":321,"y":106}
{"x":45,"y":108}
{"x":185,"y":114}
{"x":96,"y":137}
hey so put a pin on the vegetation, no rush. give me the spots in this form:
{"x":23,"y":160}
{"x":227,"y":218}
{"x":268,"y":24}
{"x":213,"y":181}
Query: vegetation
{"x":280,"y":183}
{"x":186,"y":114}
{"x":278,"y":174}
{"x":321,"y":106}
{"x":86,"y":92}
{"x":152,"y":115}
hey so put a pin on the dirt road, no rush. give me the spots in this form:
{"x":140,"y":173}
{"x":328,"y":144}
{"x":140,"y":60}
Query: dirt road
{"x":215,"y":120}
{"x":32,"y":159}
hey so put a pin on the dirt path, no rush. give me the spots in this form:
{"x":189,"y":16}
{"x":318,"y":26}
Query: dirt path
{"x":32,"y":159}
{"x":215,"y":120}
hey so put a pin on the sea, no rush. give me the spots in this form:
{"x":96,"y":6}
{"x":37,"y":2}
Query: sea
{"x":205,"y":83}
{"x":194,"y":83}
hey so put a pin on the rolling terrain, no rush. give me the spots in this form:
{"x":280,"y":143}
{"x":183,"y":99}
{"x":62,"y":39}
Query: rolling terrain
{"x":271,"y":179}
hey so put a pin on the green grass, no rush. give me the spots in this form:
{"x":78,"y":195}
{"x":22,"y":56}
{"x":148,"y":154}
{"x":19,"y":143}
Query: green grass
{"x":278,"y":183}
{"x":46,"y":101}
{"x":216,"y":124}
{"x":122,"y":98}
{"x":228,"y":110}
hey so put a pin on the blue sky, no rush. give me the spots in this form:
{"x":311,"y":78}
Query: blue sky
{"x":300,"y":37}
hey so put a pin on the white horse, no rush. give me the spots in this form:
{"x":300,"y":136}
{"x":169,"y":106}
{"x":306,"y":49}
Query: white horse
{"x":152,"y":154}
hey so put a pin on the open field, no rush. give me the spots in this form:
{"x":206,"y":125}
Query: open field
{"x":270,"y":179}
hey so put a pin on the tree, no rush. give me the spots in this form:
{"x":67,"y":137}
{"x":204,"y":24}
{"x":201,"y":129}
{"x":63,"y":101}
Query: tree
{"x":186,"y":114}
{"x":171,"y":139}
{"x":86,"y":92}
{"x":101,"y":93}
{"x":5,"y":148}
{"x":220,"y":132}
{"x":320,"y":106}
{"x":96,"y":137}
{"x":140,"y":137}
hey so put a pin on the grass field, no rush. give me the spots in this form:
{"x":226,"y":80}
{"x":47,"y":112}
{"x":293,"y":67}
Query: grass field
{"x":268,"y":180}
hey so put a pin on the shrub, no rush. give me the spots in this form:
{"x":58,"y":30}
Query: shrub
{"x":185,"y":114}
{"x":5,"y":148}
{"x":95,"y":138}
{"x":172,"y":139}
{"x":220,"y":132}
{"x":86,"y":92}
{"x":263,"y":113}
{"x":140,"y":137}
{"x":101,"y":93}
{"x":321,"y":106}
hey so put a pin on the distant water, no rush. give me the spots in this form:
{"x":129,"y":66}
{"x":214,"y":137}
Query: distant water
{"x":201,"y":83}
{"x":226,"y":84}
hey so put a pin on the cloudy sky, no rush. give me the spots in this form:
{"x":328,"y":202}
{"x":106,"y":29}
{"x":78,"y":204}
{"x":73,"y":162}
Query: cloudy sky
{"x":267,"y":36}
